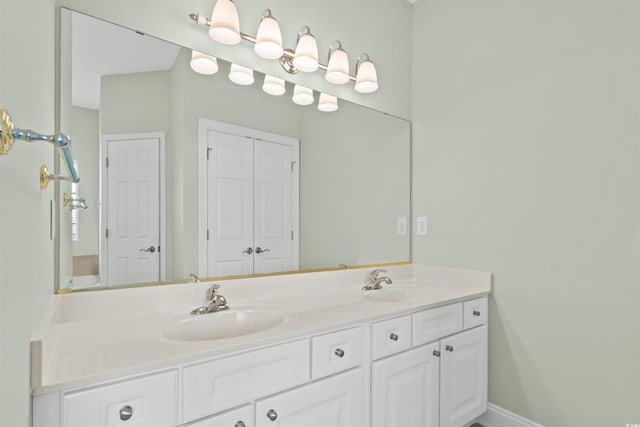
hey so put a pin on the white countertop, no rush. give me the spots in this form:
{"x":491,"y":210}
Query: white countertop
{"x":89,"y":337}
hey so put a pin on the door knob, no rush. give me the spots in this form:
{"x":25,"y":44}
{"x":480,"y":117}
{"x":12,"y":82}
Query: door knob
{"x":259,"y":250}
{"x":151,"y":249}
{"x":248,"y":251}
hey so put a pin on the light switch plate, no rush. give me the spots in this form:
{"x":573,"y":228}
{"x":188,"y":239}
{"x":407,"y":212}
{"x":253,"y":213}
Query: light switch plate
{"x":402,"y":226}
{"x":421,"y":226}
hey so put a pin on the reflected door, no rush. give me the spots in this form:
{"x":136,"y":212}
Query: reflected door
{"x":249,"y":205}
{"x":132,"y":211}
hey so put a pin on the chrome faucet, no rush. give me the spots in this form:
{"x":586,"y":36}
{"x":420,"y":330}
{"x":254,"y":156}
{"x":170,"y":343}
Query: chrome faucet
{"x":213,"y":302}
{"x":374,"y":280}
{"x":194,"y":278}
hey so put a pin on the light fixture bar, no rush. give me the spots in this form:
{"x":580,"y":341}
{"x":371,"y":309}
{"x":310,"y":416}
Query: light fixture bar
{"x":287,"y":53}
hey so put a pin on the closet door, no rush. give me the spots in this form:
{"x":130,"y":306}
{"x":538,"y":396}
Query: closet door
{"x":272,"y":207}
{"x":230,"y":204}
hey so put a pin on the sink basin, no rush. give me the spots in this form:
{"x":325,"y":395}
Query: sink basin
{"x":223,"y":324}
{"x":396,"y":294}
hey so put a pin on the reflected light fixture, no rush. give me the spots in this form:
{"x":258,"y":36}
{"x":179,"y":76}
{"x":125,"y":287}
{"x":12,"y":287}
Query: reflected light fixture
{"x":305,"y":57}
{"x":338,"y":65}
{"x":241,"y":75}
{"x":273,"y":85}
{"x":302,"y":95}
{"x":268,"y":43}
{"x":327,"y":103}
{"x":203,"y":63}
{"x":366,"y":76}
{"x":225,"y":24}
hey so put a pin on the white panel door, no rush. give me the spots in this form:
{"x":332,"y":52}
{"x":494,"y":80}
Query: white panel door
{"x":405,"y":389}
{"x":464,"y":377}
{"x":333,"y":402}
{"x":272,"y":207}
{"x":230,"y":204}
{"x":133,"y":211}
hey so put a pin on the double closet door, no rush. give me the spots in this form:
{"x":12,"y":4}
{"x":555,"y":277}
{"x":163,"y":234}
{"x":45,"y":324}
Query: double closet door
{"x":252,"y":204}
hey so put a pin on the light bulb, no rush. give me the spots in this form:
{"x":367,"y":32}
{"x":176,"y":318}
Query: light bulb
{"x":225,"y":25}
{"x":366,"y":77}
{"x":203,"y":63}
{"x":269,"y":38}
{"x":338,"y":66}
{"x":273,"y":85}
{"x":306,"y":55}
{"x":302,"y":95}
{"x":241,"y":75}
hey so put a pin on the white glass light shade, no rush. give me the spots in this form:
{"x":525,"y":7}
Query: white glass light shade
{"x":302,"y":95}
{"x":273,"y":85}
{"x":306,"y":56}
{"x":241,"y":75}
{"x":327,"y":103}
{"x":203,"y":63}
{"x":366,"y":79}
{"x":269,"y":39}
{"x":338,"y":68}
{"x":225,"y":25}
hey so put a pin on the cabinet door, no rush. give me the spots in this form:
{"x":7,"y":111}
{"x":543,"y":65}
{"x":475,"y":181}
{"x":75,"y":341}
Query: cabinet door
{"x":405,"y":389}
{"x":464,"y":377}
{"x":333,"y":402}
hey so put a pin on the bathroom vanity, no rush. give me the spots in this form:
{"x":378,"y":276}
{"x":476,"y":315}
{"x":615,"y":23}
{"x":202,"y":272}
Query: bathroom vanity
{"x":295,"y":350}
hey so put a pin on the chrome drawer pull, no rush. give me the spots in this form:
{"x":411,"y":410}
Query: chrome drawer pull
{"x":272,"y":415}
{"x":393,"y":337}
{"x":339,"y":352}
{"x":476,"y":313}
{"x":436,"y":353}
{"x":126,"y":412}
{"x":449,"y":348}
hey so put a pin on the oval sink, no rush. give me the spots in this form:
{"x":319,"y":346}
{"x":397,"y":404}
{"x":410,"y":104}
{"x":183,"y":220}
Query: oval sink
{"x":224,"y":324}
{"x":396,"y":294}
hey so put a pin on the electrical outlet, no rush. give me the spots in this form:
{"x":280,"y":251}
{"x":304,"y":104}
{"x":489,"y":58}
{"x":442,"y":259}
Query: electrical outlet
{"x":402,"y":226}
{"x":421,"y":226}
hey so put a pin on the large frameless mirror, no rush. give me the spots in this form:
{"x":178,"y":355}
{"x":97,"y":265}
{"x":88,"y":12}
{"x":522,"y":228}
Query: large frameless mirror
{"x":188,"y":175}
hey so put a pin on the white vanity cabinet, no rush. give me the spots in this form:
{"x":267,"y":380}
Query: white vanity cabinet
{"x":425,"y":368}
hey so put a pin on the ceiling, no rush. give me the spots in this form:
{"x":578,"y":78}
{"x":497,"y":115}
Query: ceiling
{"x":101,"y":48}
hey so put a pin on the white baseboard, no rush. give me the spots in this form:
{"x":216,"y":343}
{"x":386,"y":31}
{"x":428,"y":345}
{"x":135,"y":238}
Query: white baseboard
{"x":500,"y":417}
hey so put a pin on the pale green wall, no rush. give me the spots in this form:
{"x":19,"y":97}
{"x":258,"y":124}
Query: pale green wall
{"x":526,"y":129}
{"x":86,"y":151}
{"x":26,"y":252}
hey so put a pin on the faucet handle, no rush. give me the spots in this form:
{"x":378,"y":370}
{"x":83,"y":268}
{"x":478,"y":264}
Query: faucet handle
{"x":211,"y":292}
{"x":373,"y":275}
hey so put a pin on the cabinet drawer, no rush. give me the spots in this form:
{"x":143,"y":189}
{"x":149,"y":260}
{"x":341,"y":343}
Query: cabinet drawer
{"x":475,"y":312}
{"x":336,"y":352}
{"x":232,"y":381}
{"x":390,"y":336}
{"x":241,"y":417}
{"x":431,"y":325}
{"x":336,"y":401}
{"x":142,"y":402}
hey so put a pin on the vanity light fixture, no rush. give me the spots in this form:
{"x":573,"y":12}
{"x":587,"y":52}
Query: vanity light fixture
{"x":366,"y":76}
{"x":302,"y":95}
{"x":327,"y":103}
{"x":273,"y":85}
{"x":338,"y":65}
{"x":305,"y":58}
{"x":241,"y":75}
{"x":224,"y":28}
{"x":203,"y":63}
{"x":268,"y":43}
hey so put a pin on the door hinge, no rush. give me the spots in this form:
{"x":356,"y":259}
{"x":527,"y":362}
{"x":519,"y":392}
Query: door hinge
{"x":291,"y":234}
{"x":207,"y":234}
{"x":293,"y":165}
{"x":106,"y":162}
{"x":106,"y":233}
{"x":209,"y":150}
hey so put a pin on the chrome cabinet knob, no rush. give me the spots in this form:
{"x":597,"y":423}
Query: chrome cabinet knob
{"x":240,"y":424}
{"x":436,"y":353}
{"x":248,"y":251}
{"x":393,"y":337}
{"x":448,"y":348}
{"x":126,"y":412}
{"x":476,"y":313}
{"x":272,"y":415}
{"x":339,"y":352}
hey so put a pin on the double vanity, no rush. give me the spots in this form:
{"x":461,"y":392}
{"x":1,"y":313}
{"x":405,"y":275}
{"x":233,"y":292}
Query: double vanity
{"x":312,"y":349}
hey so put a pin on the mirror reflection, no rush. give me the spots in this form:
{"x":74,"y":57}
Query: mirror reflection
{"x":188,"y":175}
